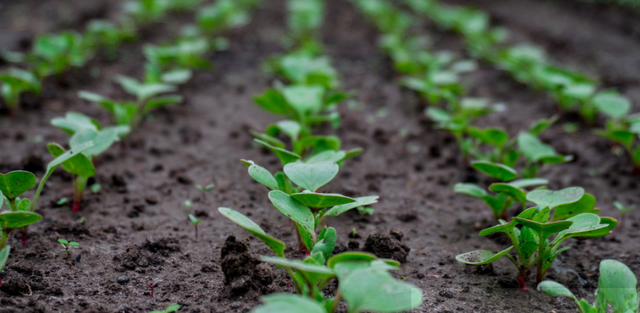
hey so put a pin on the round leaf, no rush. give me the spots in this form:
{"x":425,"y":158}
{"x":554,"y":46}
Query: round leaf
{"x":555,"y":289}
{"x":289,"y":303}
{"x":311,"y":176}
{"x":16,"y":219}
{"x":619,"y":285}
{"x":78,"y":165}
{"x":470,"y":190}
{"x":14,"y":184}
{"x":263,"y":176}
{"x":552,"y":199}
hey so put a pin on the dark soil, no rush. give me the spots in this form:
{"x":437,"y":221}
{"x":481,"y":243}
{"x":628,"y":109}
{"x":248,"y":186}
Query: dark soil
{"x":136,"y":230}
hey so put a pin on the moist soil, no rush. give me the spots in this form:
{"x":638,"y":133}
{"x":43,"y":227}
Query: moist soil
{"x":135,"y":231}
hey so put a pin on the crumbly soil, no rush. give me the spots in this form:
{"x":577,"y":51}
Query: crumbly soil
{"x":135,"y":231}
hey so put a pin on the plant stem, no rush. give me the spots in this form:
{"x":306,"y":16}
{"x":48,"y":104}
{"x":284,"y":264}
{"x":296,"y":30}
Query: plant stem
{"x":79,"y":184}
{"x":12,"y":204}
{"x":336,"y":300}
{"x":196,"y":232}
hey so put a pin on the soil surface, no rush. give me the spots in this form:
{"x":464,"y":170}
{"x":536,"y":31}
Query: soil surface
{"x":135,"y":231}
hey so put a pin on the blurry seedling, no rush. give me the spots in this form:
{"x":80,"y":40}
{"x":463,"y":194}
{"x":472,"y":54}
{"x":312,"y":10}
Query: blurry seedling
{"x":188,"y":204}
{"x":80,"y":166}
{"x":195,"y":222}
{"x":617,"y":287}
{"x":624,"y":210}
{"x":204,"y":190}
{"x":365,"y":210}
{"x":16,"y":81}
{"x":95,"y":188}
{"x":171,"y":308}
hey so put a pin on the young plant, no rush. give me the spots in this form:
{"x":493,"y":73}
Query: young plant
{"x":360,"y":276}
{"x":80,"y":166}
{"x":129,"y":113}
{"x":225,"y":14}
{"x":195,"y":222}
{"x":622,"y":127}
{"x":204,"y":190}
{"x":4,"y":256}
{"x":103,"y":33}
{"x":14,"y":184}
{"x":294,"y":192}
{"x":171,"y":308}
{"x":147,"y":11}
{"x":617,"y":287}
{"x":153,"y":286}
{"x":365,"y":210}
{"x":574,"y":216}
{"x":15,"y":82}
{"x":66,"y":245}
{"x":624,"y":210}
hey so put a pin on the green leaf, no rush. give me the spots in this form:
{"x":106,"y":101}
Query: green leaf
{"x":321,"y":200}
{"x":623,"y":136}
{"x":327,"y":156}
{"x":194,"y":219}
{"x":251,"y":227}
{"x":4,"y":255}
{"x":304,"y":99}
{"x":513,"y":192}
{"x":272,"y":101}
{"x":480,"y":257}
{"x":529,"y":182}
{"x":556,"y":290}
{"x":285,"y":156}
{"x":374,"y":289}
{"x":361,"y":201}
{"x":309,"y":268}
{"x":544,"y":230}
{"x":541,"y":125}
{"x":619,"y":286}
{"x":10,"y":220}
{"x":289,"y":303}
{"x":326,"y":242}
{"x":14,"y":184}
{"x":311,"y":176}
{"x":470,"y":190}
{"x":291,"y":128}
{"x":533,"y":149}
{"x":350,"y":257}
{"x":612,"y":104}
{"x":495,"y":170}
{"x":74,"y":122}
{"x":78,"y":165}
{"x":177,"y":77}
{"x":551,"y":199}
{"x":263,"y":176}
{"x":161,"y":102}
{"x":102,"y":140}
{"x":492,"y":136}
{"x":586,"y":204}
{"x":294,"y":210}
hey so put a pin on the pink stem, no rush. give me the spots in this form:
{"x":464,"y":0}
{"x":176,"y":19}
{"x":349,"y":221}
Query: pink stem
{"x":25,"y":239}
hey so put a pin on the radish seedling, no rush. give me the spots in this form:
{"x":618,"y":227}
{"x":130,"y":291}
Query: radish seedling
{"x":574,"y":216}
{"x":359,"y":275}
{"x":204,"y":189}
{"x":16,"y":81}
{"x":617,"y":287}
{"x":66,"y":245}
{"x":153,"y":285}
{"x":225,"y":14}
{"x":103,"y":33}
{"x":80,"y":166}
{"x":622,"y":127}
{"x":624,"y":210}
{"x":195,"y":222}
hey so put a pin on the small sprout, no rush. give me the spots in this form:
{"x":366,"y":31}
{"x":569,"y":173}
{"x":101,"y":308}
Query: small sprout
{"x":95,"y":188}
{"x":187,"y":204}
{"x":153,"y":285}
{"x":171,"y":308}
{"x":354,"y":233}
{"x":204,"y":189}
{"x":195,"y":222}
{"x":365,"y":210}
{"x":62,"y":201}
{"x":67,"y":244}
{"x":624,"y":210}
{"x":83,"y":219}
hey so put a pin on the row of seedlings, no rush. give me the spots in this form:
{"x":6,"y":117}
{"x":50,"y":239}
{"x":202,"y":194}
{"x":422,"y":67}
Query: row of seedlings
{"x":166,"y":67}
{"x":307,"y":96}
{"x":529,"y":64}
{"x":563,"y":214}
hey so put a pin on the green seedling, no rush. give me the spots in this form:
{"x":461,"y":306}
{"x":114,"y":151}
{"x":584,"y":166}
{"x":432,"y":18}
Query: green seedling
{"x":364,"y":211}
{"x":129,"y":113}
{"x":103,"y":33}
{"x":624,"y":210}
{"x":14,"y":184}
{"x":304,"y":69}
{"x":617,"y":287}
{"x":622,"y":127}
{"x":359,"y":274}
{"x":225,"y":14}
{"x":147,"y":11}
{"x":62,"y":201}
{"x":66,"y":245}
{"x":537,"y":234}
{"x":95,"y":188}
{"x":171,"y":308}
{"x":187,"y":53}
{"x":195,"y":222}
{"x":4,"y":256}
{"x":15,"y":82}
{"x":80,"y":166}
{"x":294,"y":192}
{"x":188,"y":204}
{"x":205,"y":189}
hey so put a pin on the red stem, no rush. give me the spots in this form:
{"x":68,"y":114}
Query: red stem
{"x":196,"y":232}
{"x":25,"y":239}
{"x":522,"y":282}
